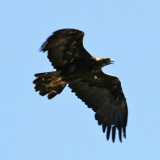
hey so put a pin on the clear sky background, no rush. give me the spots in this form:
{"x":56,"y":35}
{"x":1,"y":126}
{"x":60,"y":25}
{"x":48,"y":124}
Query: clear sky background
{"x":35,"y":128}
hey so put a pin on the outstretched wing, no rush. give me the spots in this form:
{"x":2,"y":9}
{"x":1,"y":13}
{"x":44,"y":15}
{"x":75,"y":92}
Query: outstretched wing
{"x":103,"y":93}
{"x":64,"y":47}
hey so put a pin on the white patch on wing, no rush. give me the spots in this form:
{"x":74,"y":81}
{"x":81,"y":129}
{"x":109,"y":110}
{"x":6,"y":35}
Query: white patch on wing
{"x":95,"y":77}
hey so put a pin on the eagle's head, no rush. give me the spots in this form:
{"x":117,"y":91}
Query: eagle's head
{"x":105,"y":61}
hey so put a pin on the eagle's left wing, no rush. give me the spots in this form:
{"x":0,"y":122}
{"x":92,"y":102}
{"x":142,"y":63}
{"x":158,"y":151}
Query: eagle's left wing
{"x":103,"y":93}
{"x":64,"y":47}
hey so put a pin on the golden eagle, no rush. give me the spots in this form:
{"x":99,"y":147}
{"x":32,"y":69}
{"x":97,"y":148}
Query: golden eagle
{"x":82,"y":72}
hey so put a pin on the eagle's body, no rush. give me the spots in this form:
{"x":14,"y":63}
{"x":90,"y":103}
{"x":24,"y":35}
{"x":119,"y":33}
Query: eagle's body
{"x":82,"y":72}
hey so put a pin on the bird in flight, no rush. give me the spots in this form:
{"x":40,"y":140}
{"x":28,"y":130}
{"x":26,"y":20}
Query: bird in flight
{"x":83,"y":73}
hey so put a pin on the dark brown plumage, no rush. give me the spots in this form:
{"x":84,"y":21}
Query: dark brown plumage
{"x":82,"y":72}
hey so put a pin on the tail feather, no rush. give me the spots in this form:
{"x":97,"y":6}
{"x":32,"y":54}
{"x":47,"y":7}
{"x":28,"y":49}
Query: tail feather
{"x":49,"y":83}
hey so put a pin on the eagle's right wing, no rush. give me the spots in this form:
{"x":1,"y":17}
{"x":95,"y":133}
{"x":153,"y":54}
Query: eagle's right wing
{"x":103,"y":93}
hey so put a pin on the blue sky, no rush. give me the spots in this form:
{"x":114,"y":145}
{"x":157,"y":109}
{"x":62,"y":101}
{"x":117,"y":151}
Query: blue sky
{"x":33,"y":127}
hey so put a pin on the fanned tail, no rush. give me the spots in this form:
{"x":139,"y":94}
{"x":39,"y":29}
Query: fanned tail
{"x":49,"y":83}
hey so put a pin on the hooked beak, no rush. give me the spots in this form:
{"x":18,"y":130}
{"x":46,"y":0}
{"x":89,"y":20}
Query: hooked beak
{"x":111,"y":61}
